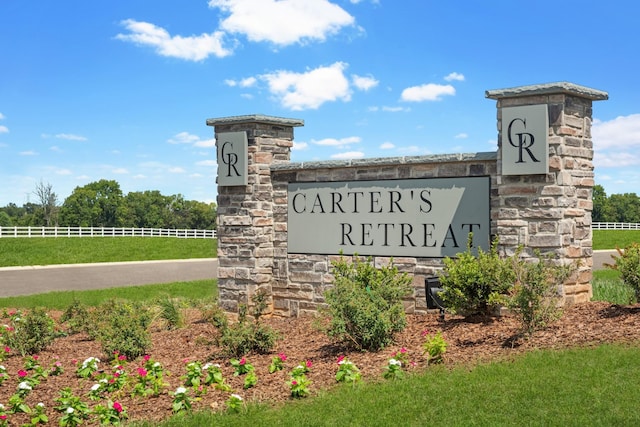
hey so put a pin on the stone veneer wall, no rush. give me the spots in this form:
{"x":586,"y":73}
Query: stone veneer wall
{"x":548,"y":212}
{"x":300,"y":280}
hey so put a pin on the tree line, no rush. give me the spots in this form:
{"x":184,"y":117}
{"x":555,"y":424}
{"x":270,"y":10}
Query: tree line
{"x":102,"y":204}
{"x":615,"y":208}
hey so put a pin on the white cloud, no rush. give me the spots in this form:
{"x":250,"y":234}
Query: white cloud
{"x":70,"y":137}
{"x":283,"y":22}
{"x":139,"y":176}
{"x":191,"y":48}
{"x":120,"y":171}
{"x":3,"y":145}
{"x":309,"y":90}
{"x":207,"y":163}
{"x":28,"y":153}
{"x":342,"y":142}
{"x":4,"y":129}
{"x":183,"y":138}
{"x":56,"y":149}
{"x":364,"y":83}
{"x":606,"y":159}
{"x":2,"y":116}
{"x":299,"y":146}
{"x":621,"y":132}
{"x":348,"y":155}
{"x":63,"y":172}
{"x":187,"y":138}
{"x":462,"y":136}
{"x":387,"y":146}
{"x":247,"y":82}
{"x":176,"y":169}
{"x":396,"y":109}
{"x":454,"y":76}
{"x":427,"y":92}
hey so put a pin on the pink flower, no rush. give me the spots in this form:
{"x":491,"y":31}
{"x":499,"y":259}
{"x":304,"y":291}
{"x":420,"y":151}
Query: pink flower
{"x":403,"y":350}
{"x":36,"y":357}
{"x":57,"y":364}
{"x":282,"y":356}
{"x":74,"y":361}
{"x":116,"y":374}
{"x":185,"y":361}
{"x":22,"y":373}
{"x":340,"y":359}
{"x":294,"y":382}
{"x":7,"y":349}
{"x":122,"y":357}
{"x":243,"y":361}
{"x":146,"y":357}
{"x":425,"y":332}
{"x":413,"y":364}
{"x":117,"y":406}
{"x":309,"y":363}
{"x":3,"y":417}
{"x":142,"y":372}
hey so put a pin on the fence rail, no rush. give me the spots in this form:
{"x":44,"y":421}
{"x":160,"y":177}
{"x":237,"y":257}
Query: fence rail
{"x":615,"y":226}
{"x":104,"y":232}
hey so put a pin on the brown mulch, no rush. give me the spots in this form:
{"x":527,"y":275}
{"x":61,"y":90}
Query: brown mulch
{"x":469,"y":341}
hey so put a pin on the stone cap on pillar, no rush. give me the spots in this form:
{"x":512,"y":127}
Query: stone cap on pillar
{"x":548,"y":89}
{"x":255,"y":118}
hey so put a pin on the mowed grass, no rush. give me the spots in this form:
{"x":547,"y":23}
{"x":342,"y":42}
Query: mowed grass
{"x":59,"y":300}
{"x":80,"y":250}
{"x":611,"y":239}
{"x":576,"y":387}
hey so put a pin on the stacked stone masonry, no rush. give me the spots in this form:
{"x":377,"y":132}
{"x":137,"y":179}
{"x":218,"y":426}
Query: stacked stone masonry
{"x":550,"y":213}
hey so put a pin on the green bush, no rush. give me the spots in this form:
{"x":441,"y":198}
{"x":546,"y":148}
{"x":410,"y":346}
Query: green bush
{"x":171,"y":310}
{"x":123,"y":327}
{"x":33,"y":331}
{"x":534,"y":297}
{"x":364,"y":306}
{"x":628,"y":264}
{"x":76,"y":317}
{"x":240,"y":338}
{"x":475,"y":284}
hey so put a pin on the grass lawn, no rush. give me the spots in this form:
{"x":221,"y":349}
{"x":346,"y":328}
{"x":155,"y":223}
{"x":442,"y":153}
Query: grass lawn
{"x":77,"y":250}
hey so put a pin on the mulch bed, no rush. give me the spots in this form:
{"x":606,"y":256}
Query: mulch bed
{"x":469,"y":341}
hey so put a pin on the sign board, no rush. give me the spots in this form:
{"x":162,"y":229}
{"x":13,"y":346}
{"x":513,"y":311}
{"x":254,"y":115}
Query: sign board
{"x":429,"y":217}
{"x":524,"y":140}
{"x":232,"y":158}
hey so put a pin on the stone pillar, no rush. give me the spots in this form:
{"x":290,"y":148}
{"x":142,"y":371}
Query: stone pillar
{"x":552,"y":212}
{"x":245,"y":226}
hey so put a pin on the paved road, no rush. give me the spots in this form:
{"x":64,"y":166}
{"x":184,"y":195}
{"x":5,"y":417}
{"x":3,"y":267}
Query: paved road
{"x":38,"y":279}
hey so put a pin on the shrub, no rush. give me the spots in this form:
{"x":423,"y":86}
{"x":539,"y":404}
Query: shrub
{"x":33,"y":331}
{"x":534,"y":297}
{"x":365,"y":303}
{"x":628,"y":264}
{"x":121,"y":327}
{"x":76,"y":316}
{"x":244,"y":336}
{"x":475,"y":284}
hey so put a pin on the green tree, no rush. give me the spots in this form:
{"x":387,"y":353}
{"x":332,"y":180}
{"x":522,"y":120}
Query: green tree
{"x":5,"y":219}
{"x":97,"y":204}
{"x":145,"y":209}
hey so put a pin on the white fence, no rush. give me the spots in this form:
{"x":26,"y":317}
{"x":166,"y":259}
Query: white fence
{"x":615,"y":226}
{"x":104,"y":232}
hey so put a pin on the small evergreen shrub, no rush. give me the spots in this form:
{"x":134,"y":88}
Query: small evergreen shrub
{"x":122,"y":327}
{"x":364,"y":306}
{"x":33,"y":331}
{"x":244,"y":336}
{"x":476,"y":284}
{"x":628,"y":264}
{"x":535,"y":294}
{"x":171,"y":310}
{"x":76,"y":317}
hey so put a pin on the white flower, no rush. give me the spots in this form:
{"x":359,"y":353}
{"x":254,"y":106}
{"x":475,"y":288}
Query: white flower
{"x":40,"y":405}
{"x":24,"y":386}
{"x":156,"y":365}
{"x":104,"y":380}
{"x":2,"y":368}
{"x":236,"y":396}
{"x":1,"y":406}
{"x":342,"y":362}
{"x":70,"y":410}
{"x":299,"y":367}
{"x":206,"y":366}
{"x":395,"y":362}
{"x":216,"y":365}
{"x":181,"y":390}
{"x":95,"y":387}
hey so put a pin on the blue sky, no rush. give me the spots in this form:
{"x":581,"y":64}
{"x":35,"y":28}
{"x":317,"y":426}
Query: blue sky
{"x":121,"y":89}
